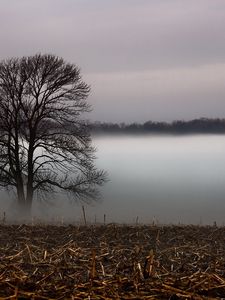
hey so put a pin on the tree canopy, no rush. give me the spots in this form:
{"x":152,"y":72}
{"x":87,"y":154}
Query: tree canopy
{"x":45,"y":145}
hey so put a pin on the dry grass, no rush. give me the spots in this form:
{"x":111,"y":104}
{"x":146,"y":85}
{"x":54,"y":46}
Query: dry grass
{"x":112,"y":262}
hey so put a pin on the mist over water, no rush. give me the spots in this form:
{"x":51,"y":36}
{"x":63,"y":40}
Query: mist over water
{"x":169,"y":179}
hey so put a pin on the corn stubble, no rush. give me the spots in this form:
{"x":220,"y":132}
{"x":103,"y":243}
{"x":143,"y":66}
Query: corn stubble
{"x":112,"y":262}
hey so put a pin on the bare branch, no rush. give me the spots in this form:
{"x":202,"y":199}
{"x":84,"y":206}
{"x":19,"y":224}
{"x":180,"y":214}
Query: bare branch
{"x":44,"y":144}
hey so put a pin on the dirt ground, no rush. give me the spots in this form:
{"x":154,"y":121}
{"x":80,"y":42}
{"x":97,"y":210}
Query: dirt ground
{"x":112,"y":262}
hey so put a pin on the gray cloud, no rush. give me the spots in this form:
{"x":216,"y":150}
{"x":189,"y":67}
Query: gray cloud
{"x":119,"y":44}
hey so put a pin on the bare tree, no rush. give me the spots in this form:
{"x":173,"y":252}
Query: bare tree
{"x":44,"y":144}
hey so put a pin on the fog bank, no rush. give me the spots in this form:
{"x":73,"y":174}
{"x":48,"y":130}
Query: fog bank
{"x":155,"y":178}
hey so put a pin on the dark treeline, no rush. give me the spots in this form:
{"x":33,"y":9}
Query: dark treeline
{"x":202,"y":125}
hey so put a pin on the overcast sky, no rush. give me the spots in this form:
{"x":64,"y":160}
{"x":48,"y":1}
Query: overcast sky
{"x":144,"y":59}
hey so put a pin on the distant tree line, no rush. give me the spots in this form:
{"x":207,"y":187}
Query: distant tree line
{"x":202,"y":125}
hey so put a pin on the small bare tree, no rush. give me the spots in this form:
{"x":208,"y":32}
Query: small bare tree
{"x":44,"y":145}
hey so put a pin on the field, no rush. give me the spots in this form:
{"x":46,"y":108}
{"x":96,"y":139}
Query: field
{"x":112,"y":262}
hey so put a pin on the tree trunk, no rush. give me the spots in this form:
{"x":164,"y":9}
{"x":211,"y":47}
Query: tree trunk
{"x":30,"y":190}
{"x":29,"y":199}
{"x":24,"y":204}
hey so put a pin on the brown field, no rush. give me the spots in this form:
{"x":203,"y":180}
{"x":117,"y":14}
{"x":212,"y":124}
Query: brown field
{"x":112,"y":262}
